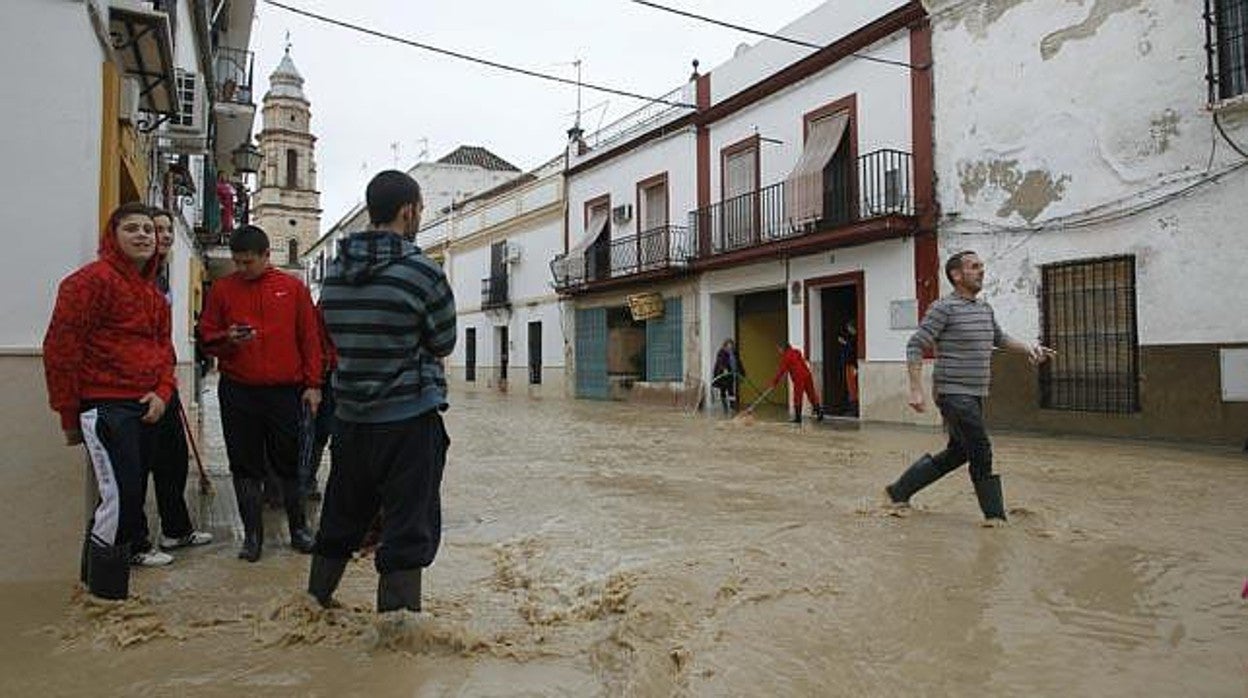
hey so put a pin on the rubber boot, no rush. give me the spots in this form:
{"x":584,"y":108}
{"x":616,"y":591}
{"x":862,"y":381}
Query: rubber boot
{"x":399,"y":590}
{"x":301,"y":538}
{"x":988,"y":491}
{"x":819,"y":413}
{"x":922,"y":473}
{"x":108,"y":571}
{"x":324,"y":576}
{"x":250,"y":495}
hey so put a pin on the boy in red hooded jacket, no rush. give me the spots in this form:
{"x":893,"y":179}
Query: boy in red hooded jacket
{"x":793,"y":363}
{"x":108,"y":361}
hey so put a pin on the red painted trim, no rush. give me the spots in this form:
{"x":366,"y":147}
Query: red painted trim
{"x":842,"y":48}
{"x":857,"y":279}
{"x":859,"y":233}
{"x":926,"y":249}
{"x":847,"y":104}
{"x":647,"y":183}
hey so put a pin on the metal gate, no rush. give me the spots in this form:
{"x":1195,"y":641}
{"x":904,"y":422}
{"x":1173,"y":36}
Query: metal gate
{"x":591,"y":354}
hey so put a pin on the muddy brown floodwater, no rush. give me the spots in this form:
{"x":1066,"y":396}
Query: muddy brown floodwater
{"x":608,"y":549}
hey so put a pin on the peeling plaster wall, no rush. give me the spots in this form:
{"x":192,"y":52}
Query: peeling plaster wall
{"x":1048,"y":109}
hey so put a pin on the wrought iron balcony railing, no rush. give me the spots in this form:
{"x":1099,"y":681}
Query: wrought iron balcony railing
{"x":233,"y":70}
{"x":878,"y":184}
{"x":494,"y":292}
{"x":666,"y":247}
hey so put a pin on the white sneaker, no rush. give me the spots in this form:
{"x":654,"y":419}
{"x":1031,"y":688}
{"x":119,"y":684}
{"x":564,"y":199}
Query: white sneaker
{"x":151,"y":558}
{"x":190,"y":539}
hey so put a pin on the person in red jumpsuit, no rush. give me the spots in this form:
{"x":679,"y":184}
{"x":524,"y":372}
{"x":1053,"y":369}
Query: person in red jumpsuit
{"x":794,"y":364}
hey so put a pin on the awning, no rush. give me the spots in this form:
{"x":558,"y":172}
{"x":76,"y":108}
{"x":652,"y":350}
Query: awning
{"x":571,"y":267}
{"x":142,"y":42}
{"x":803,"y":201}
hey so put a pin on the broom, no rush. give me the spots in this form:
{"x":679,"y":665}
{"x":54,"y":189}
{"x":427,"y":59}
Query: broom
{"x":747,"y":415}
{"x":205,"y":484}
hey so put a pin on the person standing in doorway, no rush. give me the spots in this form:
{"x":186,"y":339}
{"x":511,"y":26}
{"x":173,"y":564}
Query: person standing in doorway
{"x":170,"y":459}
{"x":109,"y":368}
{"x":261,"y":325}
{"x":727,"y":375}
{"x":962,"y":330}
{"x":794,"y":365}
{"x":847,"y":357}
{"x":391,"y":315}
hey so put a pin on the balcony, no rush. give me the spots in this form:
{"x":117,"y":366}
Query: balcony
{"x":657,"y":253}
{"x":494,"y":292}
{"x":868,"y":200}
{"x":233,"y":70}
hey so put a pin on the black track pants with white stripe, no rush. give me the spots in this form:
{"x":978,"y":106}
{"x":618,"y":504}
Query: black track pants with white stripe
{"x":118,"y":445}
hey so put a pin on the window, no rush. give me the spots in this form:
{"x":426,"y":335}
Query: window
{"x":1088,"y":316}
{"x":1226,"y":30}
{"x":652,"y":203}
{"x":292,"y":169}
{"x":806,"y":186}
{"x":740,"y":195}
{"x":470,"y":354}
{"x":185,"y":84}
{"x":292,"y":252}
{"x":535,"y":353}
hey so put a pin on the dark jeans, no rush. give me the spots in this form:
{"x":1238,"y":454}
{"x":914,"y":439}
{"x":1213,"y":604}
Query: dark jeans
{"x":395,"y":467}
{"x":260,"y":423}
{"x":968,"y":438}
{"x":314,"y":433}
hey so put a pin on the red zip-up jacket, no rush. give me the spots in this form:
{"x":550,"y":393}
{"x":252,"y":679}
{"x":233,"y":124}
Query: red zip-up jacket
{"x":109,"y":337}
{"x":792,"y":363}
{"x":286,"y":348}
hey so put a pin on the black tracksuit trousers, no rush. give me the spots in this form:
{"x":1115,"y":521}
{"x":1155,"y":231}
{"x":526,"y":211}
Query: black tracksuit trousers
{"x":395,"y":467}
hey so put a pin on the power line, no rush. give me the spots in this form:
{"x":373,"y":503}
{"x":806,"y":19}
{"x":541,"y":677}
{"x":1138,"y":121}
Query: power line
{"x":473,"y":59}
{"x":777,"y":37}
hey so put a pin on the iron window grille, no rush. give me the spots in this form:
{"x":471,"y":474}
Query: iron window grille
{"x":1088,"y":316}
{"x":1226,"y":48}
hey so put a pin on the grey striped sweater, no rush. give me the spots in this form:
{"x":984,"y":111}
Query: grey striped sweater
{"x":963,"y":333}
{"x":391,"y":314}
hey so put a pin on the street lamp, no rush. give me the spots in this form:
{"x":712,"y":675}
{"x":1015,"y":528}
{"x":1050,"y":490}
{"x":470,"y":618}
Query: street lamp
{"x":247,"y":159}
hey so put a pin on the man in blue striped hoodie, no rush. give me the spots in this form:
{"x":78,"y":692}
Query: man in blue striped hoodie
{"x":391,"y":314}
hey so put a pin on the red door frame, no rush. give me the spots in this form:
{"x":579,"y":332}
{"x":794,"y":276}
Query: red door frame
{"x":856,"y":279}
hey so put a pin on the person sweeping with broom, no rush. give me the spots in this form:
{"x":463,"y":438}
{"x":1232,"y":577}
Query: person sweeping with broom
{"x":794,"y":364}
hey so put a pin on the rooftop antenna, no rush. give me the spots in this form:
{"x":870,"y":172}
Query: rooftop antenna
{"x":394,"y":148}
{"x":288,"y":41}
{"x":424,"y":149}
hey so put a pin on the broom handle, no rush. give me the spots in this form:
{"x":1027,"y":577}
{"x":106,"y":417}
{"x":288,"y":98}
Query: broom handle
{"x":186,"y":429}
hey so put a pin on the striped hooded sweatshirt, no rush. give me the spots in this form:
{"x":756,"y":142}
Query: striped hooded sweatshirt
{"x":391,"y":315}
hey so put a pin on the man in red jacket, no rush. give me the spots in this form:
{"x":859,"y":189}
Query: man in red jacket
{"x":793,"y":363}
{"x":260,"y":324}
{"x":108,"y":361}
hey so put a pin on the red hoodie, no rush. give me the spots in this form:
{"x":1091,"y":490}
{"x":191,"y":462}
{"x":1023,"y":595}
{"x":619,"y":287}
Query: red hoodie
{"x":286,"y":348}
{"x":791,"y":362}
{"x":109,"y":337}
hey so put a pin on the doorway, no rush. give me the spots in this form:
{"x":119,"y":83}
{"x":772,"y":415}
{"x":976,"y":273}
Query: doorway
{"x":839,"y":310}
{"x":762,"y":323}
{"x":501,"y":343}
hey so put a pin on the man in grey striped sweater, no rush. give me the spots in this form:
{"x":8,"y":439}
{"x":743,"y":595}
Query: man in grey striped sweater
{"x":962,"y":330}
{"x":391,"y":315}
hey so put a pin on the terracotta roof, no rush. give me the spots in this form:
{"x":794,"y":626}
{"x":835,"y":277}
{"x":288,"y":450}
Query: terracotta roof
{"x":478,"y":156}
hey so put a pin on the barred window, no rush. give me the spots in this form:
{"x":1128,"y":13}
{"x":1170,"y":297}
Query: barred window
{"x":1088,"y":316}
{"x":1226,"y":42}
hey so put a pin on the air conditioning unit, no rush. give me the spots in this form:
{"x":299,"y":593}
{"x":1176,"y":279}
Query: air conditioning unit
{"x":511,"y":253}
{"x":129,"y":101}
{"x":622,"y":214}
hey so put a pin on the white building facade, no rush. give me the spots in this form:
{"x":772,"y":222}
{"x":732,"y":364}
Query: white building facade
{"x":789,"y":199}
{"x":1106,"y":203}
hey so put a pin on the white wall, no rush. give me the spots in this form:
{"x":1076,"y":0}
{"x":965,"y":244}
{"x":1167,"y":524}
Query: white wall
{"x":50,"y":141}
{"x":824,"y":25}
{"x":883,"y":119}
{"x":674,"y":154}
{"x":1077,"y":141}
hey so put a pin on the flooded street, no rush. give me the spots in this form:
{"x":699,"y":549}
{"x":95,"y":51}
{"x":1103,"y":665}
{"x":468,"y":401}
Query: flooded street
{"x":608,"y":549}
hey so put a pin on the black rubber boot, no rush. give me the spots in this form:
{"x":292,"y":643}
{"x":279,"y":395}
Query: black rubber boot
{"x":819,"y":413}
{"x":250,"y":495}
{"x":797,"y":418}
{"x":301,"y":538}
{"x":922,"y":473}
{"x":108,"y":571}
{"x":399,"y":590}
{"x":991,"y":502}
{"x":324,"y":576}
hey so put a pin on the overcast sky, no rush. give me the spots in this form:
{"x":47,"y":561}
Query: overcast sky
{"x":368,"y":93}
